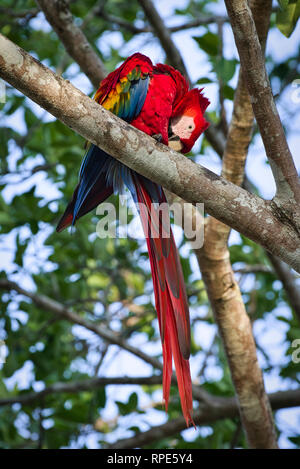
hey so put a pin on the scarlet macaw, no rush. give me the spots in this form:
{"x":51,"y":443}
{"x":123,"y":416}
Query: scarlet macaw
{"x":156,"y":100}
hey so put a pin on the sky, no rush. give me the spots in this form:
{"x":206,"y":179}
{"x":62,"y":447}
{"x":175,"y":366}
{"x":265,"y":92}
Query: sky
{"x":266,"y":332}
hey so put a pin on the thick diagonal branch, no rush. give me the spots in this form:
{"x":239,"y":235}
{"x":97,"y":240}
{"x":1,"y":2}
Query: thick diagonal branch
{"x":247,"y":213}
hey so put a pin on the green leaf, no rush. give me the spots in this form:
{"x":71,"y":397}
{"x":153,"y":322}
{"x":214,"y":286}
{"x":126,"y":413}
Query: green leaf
{"x":30,"y":118}
{"x":130,"y":406}
{"x":209,"y":43}
{"x":100,"y":397}
{"x":283,"y":4}
{"x":228,"y":92}
{"x":133,"y":401}
{"x":287,"y":18}
{"x":225,"y":69}
{"x":20,"y":249}
{"x":204,"y":80}
{"x":295,"y":440}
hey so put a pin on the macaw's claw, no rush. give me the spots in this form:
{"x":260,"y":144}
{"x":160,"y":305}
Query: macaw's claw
{"x":158,"y":137}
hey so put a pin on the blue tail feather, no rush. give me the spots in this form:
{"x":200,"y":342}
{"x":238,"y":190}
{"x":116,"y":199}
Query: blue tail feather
{"x":100,"y":175}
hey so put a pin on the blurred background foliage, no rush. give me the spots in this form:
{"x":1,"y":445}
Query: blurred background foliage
{"x":107,"y":281}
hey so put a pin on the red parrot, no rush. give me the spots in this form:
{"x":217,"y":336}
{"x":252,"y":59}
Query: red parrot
{"x":156,"y":100}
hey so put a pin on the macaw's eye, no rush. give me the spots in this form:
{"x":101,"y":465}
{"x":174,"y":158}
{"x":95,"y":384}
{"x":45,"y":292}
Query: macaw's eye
{"x":190,"y":126}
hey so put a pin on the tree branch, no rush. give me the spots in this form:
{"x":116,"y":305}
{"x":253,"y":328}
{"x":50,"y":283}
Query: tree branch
{"x":247,"y":213}
{"x":253,"y":269}
{"x":79,"y":386}
{"x":223,"y":408}
{"x":199,"y":21}
{"x":217,"y":408}
{"x":264,"y":107}
{"x":288,"y":281}
{"x":194,"y":23}
{"x":60,"y":18}
{"x":28,"y":13}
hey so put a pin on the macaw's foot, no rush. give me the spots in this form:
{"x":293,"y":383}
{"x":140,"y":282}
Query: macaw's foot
{"x":158,"y":137}
{"x":175,"y":143}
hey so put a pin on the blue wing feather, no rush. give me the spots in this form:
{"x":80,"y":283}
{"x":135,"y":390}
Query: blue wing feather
{"x":130,"y":109}
{"x":97,"y":161}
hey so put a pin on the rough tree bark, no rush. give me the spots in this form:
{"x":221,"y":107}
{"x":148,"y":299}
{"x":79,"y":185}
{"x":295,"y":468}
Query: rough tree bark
{"x":253,"y":64}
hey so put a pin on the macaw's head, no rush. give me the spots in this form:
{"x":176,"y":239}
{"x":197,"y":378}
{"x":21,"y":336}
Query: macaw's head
{"x":187,"y":121}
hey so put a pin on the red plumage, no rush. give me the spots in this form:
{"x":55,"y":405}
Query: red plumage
{"x":170,"y":298}
{"x":166,"y":89}
{"x":193,"y":104}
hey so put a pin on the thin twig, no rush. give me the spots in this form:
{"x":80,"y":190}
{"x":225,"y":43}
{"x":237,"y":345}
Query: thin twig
{"x":129,"y":26}
{"x":288,"y":280}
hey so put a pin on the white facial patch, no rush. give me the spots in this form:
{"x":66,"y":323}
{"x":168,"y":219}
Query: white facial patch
{"x":183,"y":126}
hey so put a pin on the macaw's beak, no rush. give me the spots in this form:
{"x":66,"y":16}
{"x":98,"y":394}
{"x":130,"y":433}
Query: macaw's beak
{"x":175,"y":143}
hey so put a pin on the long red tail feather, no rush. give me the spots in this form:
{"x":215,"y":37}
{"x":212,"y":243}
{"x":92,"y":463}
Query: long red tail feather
{"x":170,"y":299}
